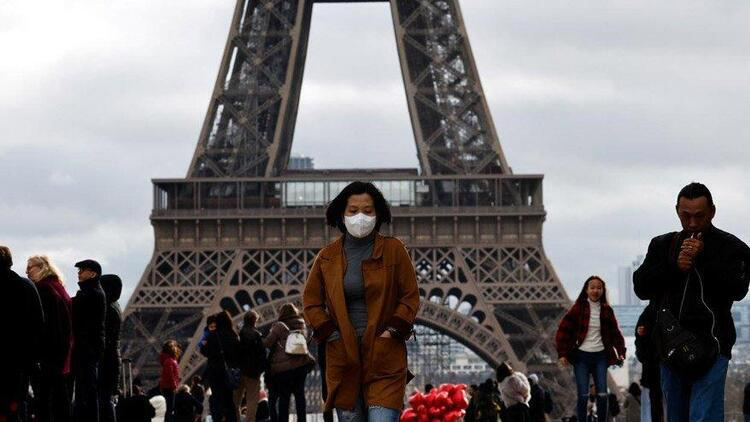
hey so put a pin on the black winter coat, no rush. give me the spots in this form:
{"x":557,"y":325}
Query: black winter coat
{"x":109,"y":368}
{"x":21,"y":322}
{"x":252,"y":353}
{"x":536,"y":404}
{"x":645,"y":350}
{"x":212,"y":347}
{"x":186,"y":407}
{"x":720,"y":276}
{"x":135,"y":409}
{"x":519,"y":412}
{"x":89,"y":310}
{"x":57,"y":340}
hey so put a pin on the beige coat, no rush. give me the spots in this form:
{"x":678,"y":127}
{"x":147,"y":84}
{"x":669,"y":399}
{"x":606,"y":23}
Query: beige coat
{"x":377,"y":367}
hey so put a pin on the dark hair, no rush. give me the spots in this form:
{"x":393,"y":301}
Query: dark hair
{"x":224,"y":322}
{"x":503,"y":371}
{"x":635,"y":390}
{"x":211,"y":319}
{"x":288,"y":311}
{"x":336,"y":208}
{"x":696,"y":190}
{"x":584,"y":295}
{"x":6,"y":259}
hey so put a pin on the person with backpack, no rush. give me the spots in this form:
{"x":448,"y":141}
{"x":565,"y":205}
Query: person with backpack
{"x":253,"y":359}
{"x":361,"y":298}
{"x":694,"y":275}
{"x":590,"y":338}
{"x":290,"y":362}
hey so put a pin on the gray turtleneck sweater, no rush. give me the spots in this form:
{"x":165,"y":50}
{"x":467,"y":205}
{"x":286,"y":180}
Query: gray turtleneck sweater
{"x":356,"y":250}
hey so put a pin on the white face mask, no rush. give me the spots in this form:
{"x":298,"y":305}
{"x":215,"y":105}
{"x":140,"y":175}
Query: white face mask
{"x":360,"y":225}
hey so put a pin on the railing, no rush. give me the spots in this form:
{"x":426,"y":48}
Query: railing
{"x":316,"y":191}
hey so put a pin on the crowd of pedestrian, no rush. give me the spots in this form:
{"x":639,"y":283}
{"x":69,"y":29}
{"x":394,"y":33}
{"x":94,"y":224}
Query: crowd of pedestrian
{"x":62,"y":359}
{"x":360,"y":304}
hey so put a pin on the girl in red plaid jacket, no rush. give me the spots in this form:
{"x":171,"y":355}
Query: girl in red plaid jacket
{"x":590,"y":339}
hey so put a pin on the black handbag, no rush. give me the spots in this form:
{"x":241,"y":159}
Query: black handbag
{"x":232,"y":375}
{"x":684,"y":353}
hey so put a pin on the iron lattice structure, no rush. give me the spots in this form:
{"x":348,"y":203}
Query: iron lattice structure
{"x":241,"y":230}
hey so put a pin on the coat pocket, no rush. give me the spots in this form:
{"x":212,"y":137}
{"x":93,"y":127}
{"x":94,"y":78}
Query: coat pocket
{"x":388,"y":357}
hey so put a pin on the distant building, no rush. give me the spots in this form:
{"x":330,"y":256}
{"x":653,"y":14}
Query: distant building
{"x":741,"y":316}
{"x":625,"y":283}
{"x":300,"y":162}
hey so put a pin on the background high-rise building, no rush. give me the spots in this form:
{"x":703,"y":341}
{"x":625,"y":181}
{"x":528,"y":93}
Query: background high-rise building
{"x":301,"y":162}
{"x":625,"y":283}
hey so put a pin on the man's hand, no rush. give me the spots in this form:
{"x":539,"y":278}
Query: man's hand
{"x":692,"y":247}
{"x":564,"y":362}
{"x":641,"y":330}
{"x":386,"y":334}
{"x":684,"y":262}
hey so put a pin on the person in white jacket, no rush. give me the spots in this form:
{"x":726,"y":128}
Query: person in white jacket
{"x":515,"y":392}
{"x":160,"y":407}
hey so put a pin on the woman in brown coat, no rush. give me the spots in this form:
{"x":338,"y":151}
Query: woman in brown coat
{"x":361,"y":299}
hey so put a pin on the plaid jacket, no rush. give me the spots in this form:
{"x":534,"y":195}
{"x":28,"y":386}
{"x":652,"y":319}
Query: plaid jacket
{"x":575,"y":324}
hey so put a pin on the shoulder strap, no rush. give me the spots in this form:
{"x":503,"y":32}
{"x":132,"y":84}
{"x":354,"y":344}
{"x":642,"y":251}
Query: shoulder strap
{"x":672,"y":254}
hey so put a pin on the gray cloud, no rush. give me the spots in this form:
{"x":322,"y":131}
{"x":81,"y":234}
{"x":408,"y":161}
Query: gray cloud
{"x":619,"y":104}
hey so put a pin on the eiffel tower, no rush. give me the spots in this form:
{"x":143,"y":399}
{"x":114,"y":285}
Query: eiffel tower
{"x":241,"y":230}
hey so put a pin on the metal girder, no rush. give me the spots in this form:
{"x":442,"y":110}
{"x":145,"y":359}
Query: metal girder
{"x":501,"y":302}
{"x":249,"y":125}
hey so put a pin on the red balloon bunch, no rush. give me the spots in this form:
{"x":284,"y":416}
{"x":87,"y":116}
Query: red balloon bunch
{"x":446,"y":403}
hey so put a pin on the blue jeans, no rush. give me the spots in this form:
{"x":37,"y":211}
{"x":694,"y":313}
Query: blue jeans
{"x":374,"y":413}
{"x":591,"y":364}
{"x":701,"y":400}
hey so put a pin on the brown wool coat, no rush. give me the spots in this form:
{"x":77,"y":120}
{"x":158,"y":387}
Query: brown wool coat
{"x":377,"y":367}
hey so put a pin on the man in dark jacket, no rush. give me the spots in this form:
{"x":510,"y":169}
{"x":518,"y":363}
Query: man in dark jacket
{"x":21,"y":322}
{"x":89,"y":310}
{"x":252,"y":363}
{"x":109,"y":369}
{"x":540,"y":402}
{"x":696,"y":274}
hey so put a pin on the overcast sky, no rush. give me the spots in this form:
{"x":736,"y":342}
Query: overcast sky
{"x":619,"y":104}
